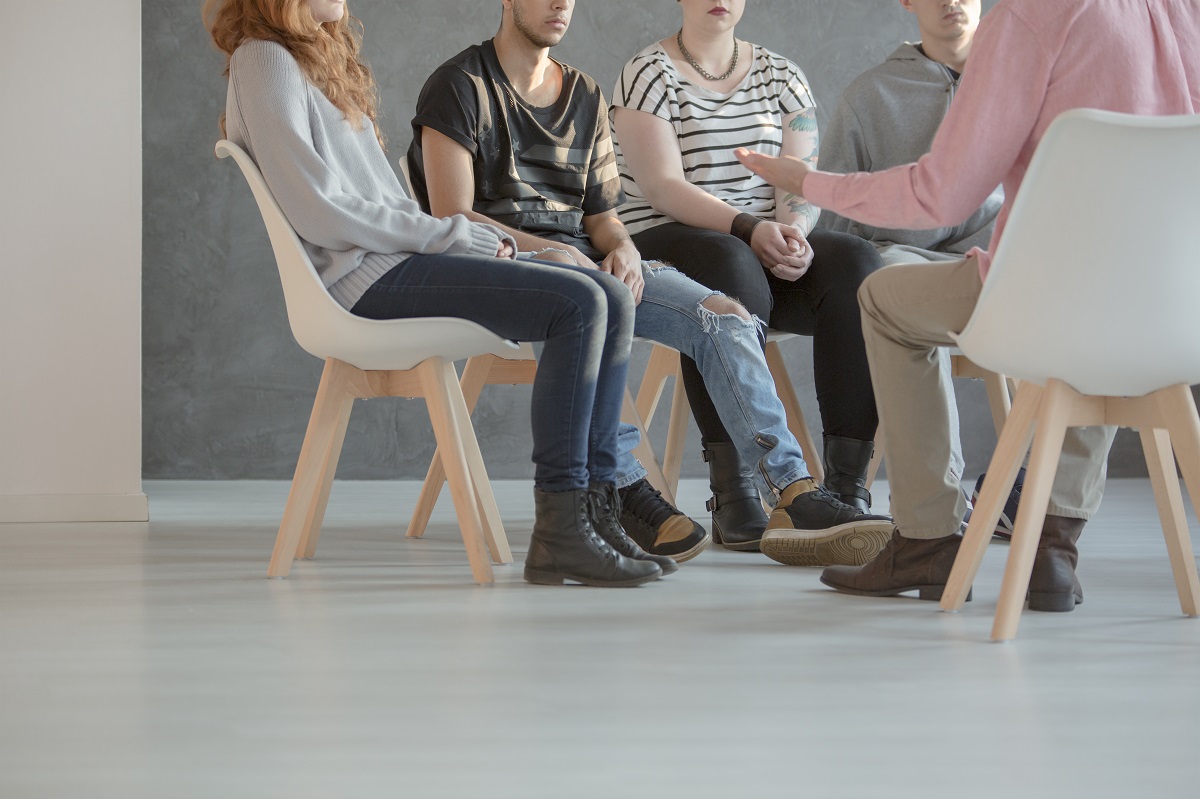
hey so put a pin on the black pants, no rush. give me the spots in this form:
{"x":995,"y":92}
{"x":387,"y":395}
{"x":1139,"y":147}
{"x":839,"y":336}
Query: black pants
{"x":822,"y":304}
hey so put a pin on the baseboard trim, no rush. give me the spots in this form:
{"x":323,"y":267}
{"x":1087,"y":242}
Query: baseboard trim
{"x":35,"y":508}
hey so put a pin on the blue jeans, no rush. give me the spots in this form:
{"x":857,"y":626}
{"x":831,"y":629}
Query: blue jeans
{"x":728,"y":351}
{"x":584,"y":318}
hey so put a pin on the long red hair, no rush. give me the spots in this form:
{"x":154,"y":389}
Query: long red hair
{"x":328,"y":53}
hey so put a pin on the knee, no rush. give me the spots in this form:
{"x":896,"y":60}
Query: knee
{"x":870,"y":298}
{"x":724,"y":306}
{"x":856,"y":259}
{"x":866,"y":296}
{"x":619,"y":299}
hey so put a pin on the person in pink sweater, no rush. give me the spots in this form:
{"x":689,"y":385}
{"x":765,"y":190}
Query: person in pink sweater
{"x":1031,"y":61}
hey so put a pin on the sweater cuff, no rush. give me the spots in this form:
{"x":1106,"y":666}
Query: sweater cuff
{"x":485,"y":240}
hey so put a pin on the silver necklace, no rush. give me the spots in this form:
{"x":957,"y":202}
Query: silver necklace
{"x":703,"y":73}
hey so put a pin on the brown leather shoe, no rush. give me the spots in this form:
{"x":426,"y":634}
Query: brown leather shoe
{"x":1053,"y":586}
{"x":904,"y":564}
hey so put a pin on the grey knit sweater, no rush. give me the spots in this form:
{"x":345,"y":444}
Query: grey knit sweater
{"x":333,"y":182}
{"x":887,"y":117}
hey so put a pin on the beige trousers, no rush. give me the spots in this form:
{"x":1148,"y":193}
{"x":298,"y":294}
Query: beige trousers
{"x":908,"y":311}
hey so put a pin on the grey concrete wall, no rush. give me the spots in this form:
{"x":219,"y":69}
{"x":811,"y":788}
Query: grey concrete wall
{"x":226,"y":390}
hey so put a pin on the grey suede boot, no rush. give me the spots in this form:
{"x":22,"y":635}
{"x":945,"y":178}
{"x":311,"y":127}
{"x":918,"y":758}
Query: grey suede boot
{"x":565,"y":546}
{"x":1053,"y":586}
{"x":738,"y":517}
{"x":846,"y":462}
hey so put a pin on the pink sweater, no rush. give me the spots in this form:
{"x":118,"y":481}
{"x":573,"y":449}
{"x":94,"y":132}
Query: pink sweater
{"x":1031,"y":60}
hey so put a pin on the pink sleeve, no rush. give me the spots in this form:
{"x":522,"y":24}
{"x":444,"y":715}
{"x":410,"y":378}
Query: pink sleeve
{"x":991,"y":119}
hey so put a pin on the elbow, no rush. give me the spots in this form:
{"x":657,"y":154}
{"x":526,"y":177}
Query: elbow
{"x":661,"y":195}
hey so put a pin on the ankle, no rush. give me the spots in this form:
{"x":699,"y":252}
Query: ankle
{"x":798,"y":488}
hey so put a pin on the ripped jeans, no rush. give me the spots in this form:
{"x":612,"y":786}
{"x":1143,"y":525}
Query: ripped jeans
{"x":729,"y":353}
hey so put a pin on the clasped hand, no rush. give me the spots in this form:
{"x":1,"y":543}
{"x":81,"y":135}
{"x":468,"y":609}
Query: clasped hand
{"x":782,"y":250}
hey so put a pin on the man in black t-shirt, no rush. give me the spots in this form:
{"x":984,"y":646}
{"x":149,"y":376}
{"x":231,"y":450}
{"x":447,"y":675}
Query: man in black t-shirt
{"x":506,"y":135}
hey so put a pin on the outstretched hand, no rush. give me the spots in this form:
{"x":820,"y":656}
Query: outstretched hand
{"x":787,"y":173}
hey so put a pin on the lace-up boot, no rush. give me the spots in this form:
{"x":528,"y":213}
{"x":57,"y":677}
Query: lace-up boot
{"x":605,"y":513}
{"x":565,"y":546}
{"x":657,"y":526}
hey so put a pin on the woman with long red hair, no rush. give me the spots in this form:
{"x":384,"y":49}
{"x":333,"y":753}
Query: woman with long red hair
{"x":302,"y":103}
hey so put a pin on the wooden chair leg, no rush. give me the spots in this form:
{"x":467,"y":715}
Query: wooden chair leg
{"x":309,"y":477}
{"x":489,"y":514}
{"x":644,"y":452}
{"x":663,"y":365}
{"x":1006,"y":460}
{"x":474,"y":376}
{"x":307,"y":548}
{"x":999,"y":400}
{"x":1160,"y":462}
{"x":1052,"y":420}
{"x":1179,"y":410}
{"x":439,"y":383}
{"x":795,"y":416}
{"x":677,"y":425}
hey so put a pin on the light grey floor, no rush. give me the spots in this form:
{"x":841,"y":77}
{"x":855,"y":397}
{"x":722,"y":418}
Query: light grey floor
{"x":156,"y":661}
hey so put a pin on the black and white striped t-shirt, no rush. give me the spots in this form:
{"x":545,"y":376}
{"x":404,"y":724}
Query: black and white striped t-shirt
{"x":710,"y":126}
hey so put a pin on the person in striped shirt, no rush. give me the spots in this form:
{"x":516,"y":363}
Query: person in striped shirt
{"x":680,"y":108}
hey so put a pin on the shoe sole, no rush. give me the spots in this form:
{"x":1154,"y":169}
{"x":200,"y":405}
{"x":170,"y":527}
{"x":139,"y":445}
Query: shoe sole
{"x":931,"y":593}
{"x":741,"y":546}
{"x":684,"y":557}
{"x":542,"y":577}
{"x":851,"y":544}
{"x":1053,"y":603}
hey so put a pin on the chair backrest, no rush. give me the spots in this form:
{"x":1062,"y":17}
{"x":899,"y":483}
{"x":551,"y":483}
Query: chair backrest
{"x":406,"y":174}
{"x":326,"y":329}
{"x":1096,"y":281}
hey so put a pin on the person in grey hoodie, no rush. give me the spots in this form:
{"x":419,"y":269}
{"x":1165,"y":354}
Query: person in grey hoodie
{"x":888,"y":117}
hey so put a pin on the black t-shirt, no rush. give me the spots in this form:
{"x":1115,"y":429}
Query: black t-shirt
{"x":539,"y":170}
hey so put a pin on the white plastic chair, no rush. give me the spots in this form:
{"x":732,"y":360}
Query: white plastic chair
{"x":1099,"y":324}
{"x":366,"y":358}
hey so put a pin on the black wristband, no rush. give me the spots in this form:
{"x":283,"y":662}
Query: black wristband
{"x":743,"y":226}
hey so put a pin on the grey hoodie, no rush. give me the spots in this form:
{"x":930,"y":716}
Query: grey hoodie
{"x":887,"y":117}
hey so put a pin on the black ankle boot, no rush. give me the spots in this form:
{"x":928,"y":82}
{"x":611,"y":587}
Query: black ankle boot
{"x":1053,"y":586}
{"x":565,"y":546}
{"x":846,"y":462}
{"x":605,"y":514}
{"x":738,"y":518}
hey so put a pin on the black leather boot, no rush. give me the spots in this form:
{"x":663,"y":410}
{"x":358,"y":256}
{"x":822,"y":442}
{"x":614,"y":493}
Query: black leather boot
{"x":846,"y":462}
{"x":738,"y":518}
{"x":565,"y":546}
{"x":605,"y":513}
{"x":1053,"y":586}
{"x":905,"y":564}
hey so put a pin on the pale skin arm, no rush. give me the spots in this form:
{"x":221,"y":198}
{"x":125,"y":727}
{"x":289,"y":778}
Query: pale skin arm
{"x":450,"y":181}
{"x":800,"y":140}
{"x":652,"y":154}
